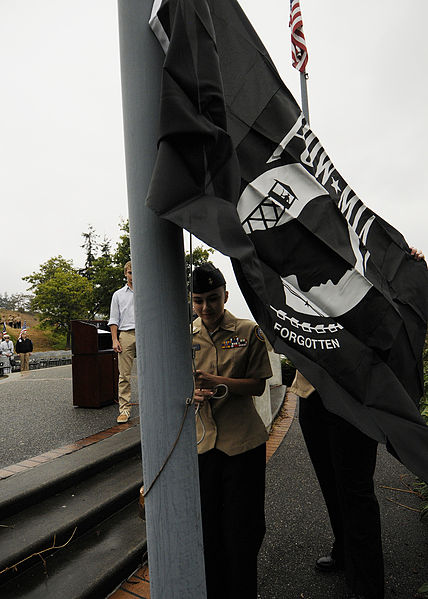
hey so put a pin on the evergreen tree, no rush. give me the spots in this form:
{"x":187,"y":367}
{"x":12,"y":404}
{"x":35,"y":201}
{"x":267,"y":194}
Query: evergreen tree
{"x":104,"y":267}
{"x":90,"y":245}
{"x":122,"y":253}
{"x":61,"y":294}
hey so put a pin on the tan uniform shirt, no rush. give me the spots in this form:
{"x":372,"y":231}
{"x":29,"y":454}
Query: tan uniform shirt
{"x":300,"y":386}
{"x":237,"y":350}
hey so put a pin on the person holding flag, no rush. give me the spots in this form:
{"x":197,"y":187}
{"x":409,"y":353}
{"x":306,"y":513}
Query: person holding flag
{"x":334,"y":286}
{"x":343,"y":457}
{"x":344,"y":460}
{"x":24,"y":347}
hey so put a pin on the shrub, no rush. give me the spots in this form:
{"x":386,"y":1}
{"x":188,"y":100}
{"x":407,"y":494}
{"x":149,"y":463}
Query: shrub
{"x":288,"y":371}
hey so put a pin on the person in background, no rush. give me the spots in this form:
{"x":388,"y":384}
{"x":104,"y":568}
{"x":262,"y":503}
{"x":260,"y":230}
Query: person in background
{"x":122,"y":327}
{"x":344,"y":460}
{"x":24,"y":347}
{"x":231,"y":359}
{"x":6,"y":351}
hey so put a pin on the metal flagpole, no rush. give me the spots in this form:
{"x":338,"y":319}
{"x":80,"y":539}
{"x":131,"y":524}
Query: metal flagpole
{"x":304,"y":94}
{"x":299,"y":52}
{"x":174,"y":531}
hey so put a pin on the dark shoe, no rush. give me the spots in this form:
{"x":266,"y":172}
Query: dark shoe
{"x":328,"y":564}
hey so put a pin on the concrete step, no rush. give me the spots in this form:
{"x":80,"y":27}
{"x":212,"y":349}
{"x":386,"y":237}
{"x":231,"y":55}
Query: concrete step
{"x":81,"y":506}
{"x":86,"y":502}
{"x":31,"y":487}
{"x":90,"y":567}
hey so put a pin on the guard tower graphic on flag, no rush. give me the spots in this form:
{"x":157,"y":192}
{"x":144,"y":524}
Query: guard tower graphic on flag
{"x":269,"y":212}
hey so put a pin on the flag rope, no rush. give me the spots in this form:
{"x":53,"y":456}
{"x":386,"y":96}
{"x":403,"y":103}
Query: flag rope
{"x":189,"y":400}
{"x":199,"y":441}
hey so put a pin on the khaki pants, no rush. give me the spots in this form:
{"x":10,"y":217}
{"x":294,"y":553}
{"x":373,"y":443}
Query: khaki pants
{"x":125,"y":362}
{"x":25,"y":361}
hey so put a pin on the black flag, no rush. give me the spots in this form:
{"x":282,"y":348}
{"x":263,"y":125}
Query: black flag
{"x":333,"y":286}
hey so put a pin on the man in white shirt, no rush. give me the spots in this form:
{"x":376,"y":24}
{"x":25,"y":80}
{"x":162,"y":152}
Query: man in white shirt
{"x":122,"y":327}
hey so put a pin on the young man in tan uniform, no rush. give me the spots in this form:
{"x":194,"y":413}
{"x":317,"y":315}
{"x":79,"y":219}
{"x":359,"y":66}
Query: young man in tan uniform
{"x":230,"y":354}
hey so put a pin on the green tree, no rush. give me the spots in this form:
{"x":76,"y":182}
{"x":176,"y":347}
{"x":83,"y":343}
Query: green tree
{"x":104,"y":267}
{"x":198,"y":257}
{"x":5,"y":301}
{"x":106,"y":277}
{"x":48,"y":270}
{"x":122,"y":253}
{"x":90,"y":245}
{"x":105,"y":246}
{"x":16,"y":301}
{"x":61,"y":294}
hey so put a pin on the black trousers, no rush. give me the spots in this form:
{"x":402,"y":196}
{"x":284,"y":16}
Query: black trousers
{"x":344,"y":460}
{"x":233,"y":520}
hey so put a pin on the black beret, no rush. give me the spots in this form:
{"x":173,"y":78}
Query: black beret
{"x":207,"y":277}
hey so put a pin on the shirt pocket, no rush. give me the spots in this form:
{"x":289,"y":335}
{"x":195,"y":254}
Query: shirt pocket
{"x":232,"y":362}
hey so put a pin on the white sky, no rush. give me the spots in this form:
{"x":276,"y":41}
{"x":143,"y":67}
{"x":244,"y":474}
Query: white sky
{"x":62,"y":153}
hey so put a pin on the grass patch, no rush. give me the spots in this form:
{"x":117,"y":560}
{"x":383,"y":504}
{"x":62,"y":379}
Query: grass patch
{"x":43,"y":339}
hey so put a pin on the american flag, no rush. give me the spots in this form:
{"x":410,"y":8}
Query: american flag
{"x":299,"y":52}
{"x":24,"y":328}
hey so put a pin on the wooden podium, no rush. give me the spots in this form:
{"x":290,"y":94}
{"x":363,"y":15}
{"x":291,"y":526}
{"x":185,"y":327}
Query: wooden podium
{"x":94,"y":364}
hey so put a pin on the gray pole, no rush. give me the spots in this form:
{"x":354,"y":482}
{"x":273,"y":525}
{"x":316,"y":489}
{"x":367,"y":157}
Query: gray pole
{"x":174,"y":533}
{"x":304,"y":94}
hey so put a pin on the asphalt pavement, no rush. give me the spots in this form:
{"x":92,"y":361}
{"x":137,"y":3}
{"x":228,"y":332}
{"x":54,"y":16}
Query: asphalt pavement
{"x":298,"y":530}
{"x":37,"y":415}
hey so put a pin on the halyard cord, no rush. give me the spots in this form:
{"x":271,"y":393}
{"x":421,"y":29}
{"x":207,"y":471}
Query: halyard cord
{"x":191,"y":338}
{"x":189,"y":400}
{"x":199,"y":441}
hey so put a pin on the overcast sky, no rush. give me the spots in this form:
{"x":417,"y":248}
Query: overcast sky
{"x":62,"y":153}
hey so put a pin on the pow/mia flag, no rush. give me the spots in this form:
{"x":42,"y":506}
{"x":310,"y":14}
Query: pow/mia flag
{"x":332,"y":284}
